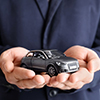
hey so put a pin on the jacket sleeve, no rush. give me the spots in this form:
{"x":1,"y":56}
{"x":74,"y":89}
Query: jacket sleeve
{"x":96,"y":45}
{"x":3,"y":83}
{"x":95,"y":84}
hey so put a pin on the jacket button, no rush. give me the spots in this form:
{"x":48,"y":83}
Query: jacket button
{"x":53,"y":93}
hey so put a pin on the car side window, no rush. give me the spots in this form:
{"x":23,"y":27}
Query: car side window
{"x":30,"y":54}
{"x":39,"y":55}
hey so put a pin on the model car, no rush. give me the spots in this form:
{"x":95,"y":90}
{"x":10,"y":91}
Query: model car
{"x":50,"y":61}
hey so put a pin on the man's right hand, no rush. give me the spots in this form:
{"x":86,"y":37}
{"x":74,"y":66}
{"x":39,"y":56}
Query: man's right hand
{"x":14,"y":74}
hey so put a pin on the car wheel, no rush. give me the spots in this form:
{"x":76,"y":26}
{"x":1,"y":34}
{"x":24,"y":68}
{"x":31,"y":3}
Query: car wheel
{"x":51,"y":70}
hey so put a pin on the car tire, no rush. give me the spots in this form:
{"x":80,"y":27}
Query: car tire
{"x":51,"y":70}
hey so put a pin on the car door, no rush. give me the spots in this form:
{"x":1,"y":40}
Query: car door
{"x":38,"y":61}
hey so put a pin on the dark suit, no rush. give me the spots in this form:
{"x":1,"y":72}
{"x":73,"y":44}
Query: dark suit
{"x":34,"y":24}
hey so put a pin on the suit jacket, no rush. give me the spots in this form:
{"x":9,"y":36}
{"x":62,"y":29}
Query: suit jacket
{"x":60,"y":24}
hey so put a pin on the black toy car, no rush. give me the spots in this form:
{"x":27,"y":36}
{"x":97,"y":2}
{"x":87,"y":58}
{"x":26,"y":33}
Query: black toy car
{"x":50,"y":61}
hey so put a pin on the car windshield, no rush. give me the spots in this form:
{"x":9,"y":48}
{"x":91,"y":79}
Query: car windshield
{"x":54,"y":54}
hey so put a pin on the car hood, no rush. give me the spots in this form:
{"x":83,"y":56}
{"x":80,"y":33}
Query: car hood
{"x":65,"y":59}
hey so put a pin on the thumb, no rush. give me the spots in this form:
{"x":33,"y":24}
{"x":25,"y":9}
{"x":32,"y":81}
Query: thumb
{"x":93,"y":65}
{"x":11,"y":57}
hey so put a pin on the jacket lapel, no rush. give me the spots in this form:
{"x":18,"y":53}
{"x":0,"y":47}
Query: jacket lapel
{"x":43,"y":7}
{"x":53,"y":8}
{"x":54,"y":4}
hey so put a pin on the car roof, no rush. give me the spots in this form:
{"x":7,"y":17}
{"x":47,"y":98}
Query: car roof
{"x":43,"y":50}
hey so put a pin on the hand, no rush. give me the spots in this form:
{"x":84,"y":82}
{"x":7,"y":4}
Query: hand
{"x":89,"y":63}
{"x":23,"y":78}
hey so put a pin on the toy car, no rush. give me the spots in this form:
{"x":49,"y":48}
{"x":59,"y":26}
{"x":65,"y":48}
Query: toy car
{"x":50,"y":61}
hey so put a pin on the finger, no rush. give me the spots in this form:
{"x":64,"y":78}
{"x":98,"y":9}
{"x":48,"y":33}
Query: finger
{"x":36,"y":82}
{"x":52,"y":82}
{"x":82,"y":63}
{"x":62,"y":77}
{"x":43,"y":73}
{"x":66,"y":88}
{"x":94,"y":65}
{"x":60,"y":86}
{"x":26,"y":84}
{"x":56,"y":81}
{"x":6,"y":63}
{"x":76,"y":85}
{"x":82,"y":75}
{"x":7,"y":67}
{"x":77,"y":52}
{"x":39,"y":80}
{"x":22,"y":73}
{"x":46,"y":78}
{"x":91,"y":55}
{"x":19,"y":74}
{"x":10,"y":57}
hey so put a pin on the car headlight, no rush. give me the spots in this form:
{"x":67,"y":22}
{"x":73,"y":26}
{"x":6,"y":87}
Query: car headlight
{"x":60,"y":63}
